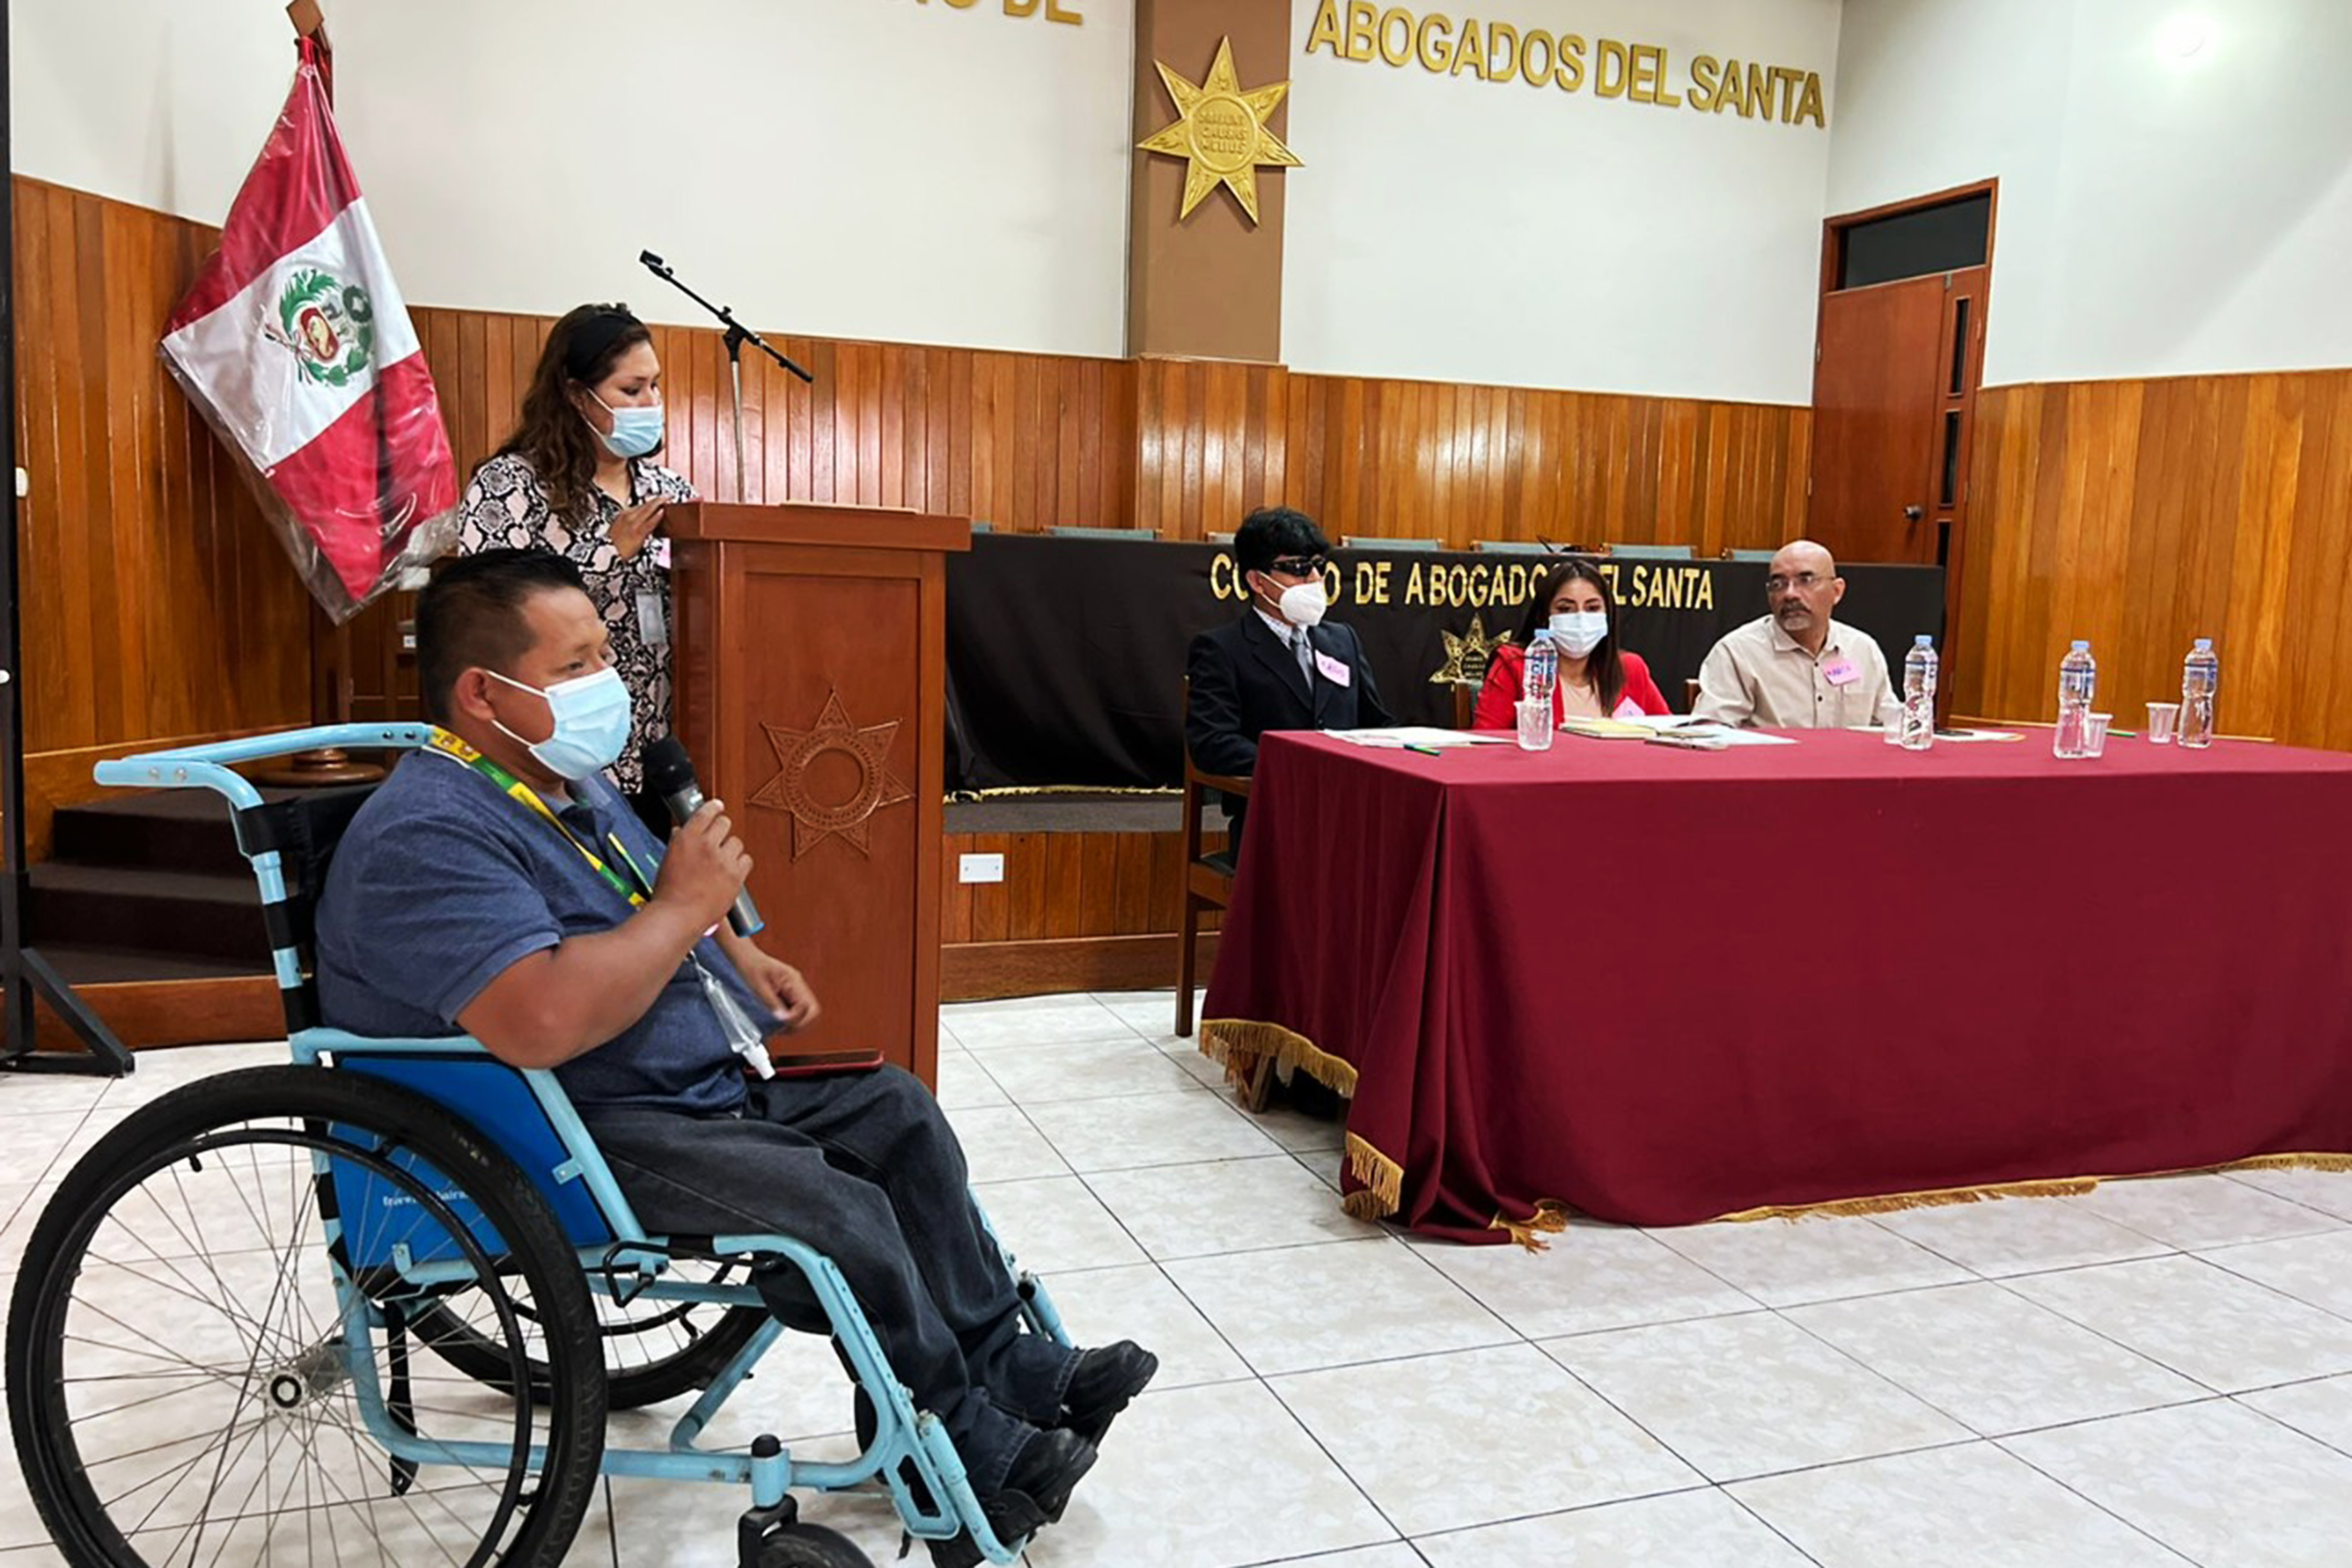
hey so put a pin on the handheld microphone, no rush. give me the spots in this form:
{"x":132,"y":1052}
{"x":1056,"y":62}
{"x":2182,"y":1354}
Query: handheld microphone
{"x":669,"y":773}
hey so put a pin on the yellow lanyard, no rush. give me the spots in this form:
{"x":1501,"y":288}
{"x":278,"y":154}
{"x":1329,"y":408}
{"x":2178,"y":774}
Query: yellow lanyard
{"x":449,"y":745}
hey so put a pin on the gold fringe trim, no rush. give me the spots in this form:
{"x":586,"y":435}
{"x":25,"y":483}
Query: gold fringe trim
{"x":1242,"y":1045}
{"x":1383,"y":1190}
{"x":2336,"y":1162}
{"x":1898,"y":1203}
{"x":2063,"y":1187}
{"x":1550,"y":1218}
{"x":1023,"y":792}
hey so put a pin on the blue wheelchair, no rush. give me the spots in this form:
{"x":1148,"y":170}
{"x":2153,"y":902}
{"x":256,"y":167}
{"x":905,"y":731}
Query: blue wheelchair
{"x":377,"y":1305}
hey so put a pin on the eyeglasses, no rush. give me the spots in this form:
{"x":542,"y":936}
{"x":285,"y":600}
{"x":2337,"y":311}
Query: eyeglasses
{"x":1300,"y":565}
{"x":1777,"y":584}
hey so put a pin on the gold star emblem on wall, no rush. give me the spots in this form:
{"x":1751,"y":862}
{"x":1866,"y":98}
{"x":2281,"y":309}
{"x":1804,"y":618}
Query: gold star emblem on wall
{"x":1220,"y":133}
{"x":814,"y":820}
{"x":1466,"y":655}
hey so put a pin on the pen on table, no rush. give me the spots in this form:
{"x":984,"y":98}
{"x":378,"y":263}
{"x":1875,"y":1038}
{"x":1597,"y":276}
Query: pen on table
{"x":1426,"y":750}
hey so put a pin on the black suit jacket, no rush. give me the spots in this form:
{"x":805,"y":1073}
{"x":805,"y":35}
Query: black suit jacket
{"x":1246,"y":680}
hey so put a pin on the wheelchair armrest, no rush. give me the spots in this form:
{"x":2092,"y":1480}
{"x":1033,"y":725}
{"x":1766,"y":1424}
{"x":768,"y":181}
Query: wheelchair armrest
{"x":311,"y":1044}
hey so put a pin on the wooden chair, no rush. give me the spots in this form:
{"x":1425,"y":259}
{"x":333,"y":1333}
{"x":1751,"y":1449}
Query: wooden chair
{"x":1509,"y":547}
{"x":1690,"y":694}
{"x":1465,"y":704}
{"x":1652,"y":552}
{"x":1749,"y":555}
{"x":1208,"y":878}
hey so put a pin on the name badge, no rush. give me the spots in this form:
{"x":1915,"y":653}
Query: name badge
{"x":658,"y":548}
{"x":653,"y":621}
{"x":1841,"y":671}
{"x":1333,"y":669}
{"x":1627,"y":709}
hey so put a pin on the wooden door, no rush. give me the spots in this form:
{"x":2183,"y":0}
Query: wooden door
{"x":1876,"y":403}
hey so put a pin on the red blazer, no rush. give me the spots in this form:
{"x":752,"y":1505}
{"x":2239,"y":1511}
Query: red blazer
{"x":1498,"y":699}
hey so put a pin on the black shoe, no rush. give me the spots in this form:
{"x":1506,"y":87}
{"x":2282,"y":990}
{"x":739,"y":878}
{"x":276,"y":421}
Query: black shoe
{"x":1106,"y":1380}
{"x":1036,"y":1489}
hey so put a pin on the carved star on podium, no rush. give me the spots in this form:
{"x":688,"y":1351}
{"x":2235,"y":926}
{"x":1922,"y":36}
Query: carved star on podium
{"x":813,"y":820}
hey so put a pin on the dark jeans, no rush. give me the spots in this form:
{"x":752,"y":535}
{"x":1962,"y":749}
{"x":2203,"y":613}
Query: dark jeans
{"x":862,"y":1167}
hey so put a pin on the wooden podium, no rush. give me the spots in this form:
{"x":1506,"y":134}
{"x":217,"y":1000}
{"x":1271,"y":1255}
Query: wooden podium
{"x":810,"y":651}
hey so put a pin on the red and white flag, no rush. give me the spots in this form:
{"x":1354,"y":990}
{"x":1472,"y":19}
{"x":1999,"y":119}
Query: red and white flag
{"x":295,"y":343}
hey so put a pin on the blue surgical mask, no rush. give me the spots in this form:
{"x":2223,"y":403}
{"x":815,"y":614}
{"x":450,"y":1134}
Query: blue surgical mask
{"x":636,"y":431}
{"x":592,"y":723}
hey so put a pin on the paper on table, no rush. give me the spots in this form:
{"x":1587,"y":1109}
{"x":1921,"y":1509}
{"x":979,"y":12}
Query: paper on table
{"x":1719,"y":738}
{"x":1957,"y":737}
{"x":1605,"y":729}
{"x":1422,"y":735}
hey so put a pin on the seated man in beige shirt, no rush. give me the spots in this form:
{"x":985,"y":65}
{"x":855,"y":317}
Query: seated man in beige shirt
{"x":1794,"y":668}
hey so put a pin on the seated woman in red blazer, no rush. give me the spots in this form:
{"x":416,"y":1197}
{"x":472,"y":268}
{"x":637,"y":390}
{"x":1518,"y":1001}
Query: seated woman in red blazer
{"x":1597,"y":679}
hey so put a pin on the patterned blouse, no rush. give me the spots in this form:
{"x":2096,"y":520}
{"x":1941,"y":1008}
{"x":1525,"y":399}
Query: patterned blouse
{"x":505,"y":507}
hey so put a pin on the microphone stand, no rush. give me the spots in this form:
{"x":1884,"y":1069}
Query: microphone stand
{"x":738,"y":334}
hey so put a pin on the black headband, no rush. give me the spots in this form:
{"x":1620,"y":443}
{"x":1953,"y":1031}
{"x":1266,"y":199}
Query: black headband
{"x":591,"y":338}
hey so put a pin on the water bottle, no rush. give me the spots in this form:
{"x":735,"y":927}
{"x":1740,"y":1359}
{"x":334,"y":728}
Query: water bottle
{"x":1919,"y":694}
{"x":2078,"y":682}
{"x":2200,"y":677}
{"x":1540,"y":680}
{"x":1543,"y":668}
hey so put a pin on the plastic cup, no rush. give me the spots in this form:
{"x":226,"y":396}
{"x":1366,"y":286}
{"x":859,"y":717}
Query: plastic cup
{"x":2163,"y":720}
{"x":1535,"y":724}
{"x":1890,"y":718}
{"x":2095,"y":733}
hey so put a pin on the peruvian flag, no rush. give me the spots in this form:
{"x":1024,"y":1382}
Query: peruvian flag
{"x":295,"y":343}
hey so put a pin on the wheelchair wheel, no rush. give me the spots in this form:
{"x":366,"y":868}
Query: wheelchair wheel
{"x":212,"y":1347}
{"x":654,"y":1350}
{"x":810,"y":1546}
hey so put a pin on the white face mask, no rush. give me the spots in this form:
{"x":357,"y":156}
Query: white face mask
{"x":1578,"y":632}
{"x":1303,"y":603}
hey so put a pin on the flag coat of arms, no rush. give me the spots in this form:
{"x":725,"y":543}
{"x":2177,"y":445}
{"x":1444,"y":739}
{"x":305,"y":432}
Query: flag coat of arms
{"x":295,"y":343}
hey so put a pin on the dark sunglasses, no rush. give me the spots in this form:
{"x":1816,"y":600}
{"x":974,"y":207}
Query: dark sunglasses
{"x":1300,"y":565}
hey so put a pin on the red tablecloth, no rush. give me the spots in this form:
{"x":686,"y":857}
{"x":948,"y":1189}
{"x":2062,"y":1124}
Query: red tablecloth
{"x":1660,"y":987}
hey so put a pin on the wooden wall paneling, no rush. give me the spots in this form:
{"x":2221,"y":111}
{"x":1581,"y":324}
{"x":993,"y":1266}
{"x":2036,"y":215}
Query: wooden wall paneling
{"x":2254,"y":625}
{"x":155,"y":602}
{"x":2142,"y":514}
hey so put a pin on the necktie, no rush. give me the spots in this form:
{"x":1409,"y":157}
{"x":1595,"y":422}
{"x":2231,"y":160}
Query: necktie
{"x":1306,"y":649}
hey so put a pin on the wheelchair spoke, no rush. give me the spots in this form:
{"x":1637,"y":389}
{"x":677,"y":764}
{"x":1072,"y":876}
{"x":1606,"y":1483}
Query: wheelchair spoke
{"x":217,"y":1374}
{"x":249,"y":1302}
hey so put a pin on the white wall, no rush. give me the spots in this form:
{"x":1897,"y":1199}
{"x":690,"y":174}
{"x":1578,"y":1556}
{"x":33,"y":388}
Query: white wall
{"x":847,"y":168}
{"x":161,"y":102}
{"x":1462,"y":230}
{"x":2158,"y":214}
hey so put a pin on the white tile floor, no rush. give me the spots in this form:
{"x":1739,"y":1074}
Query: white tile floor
{"x":2160,"y":1373}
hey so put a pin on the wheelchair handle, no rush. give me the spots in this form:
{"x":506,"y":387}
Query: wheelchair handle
{"x":209,"y":767}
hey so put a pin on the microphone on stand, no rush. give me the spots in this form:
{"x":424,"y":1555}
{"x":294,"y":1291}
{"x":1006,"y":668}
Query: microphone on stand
{"x":669,"y":773}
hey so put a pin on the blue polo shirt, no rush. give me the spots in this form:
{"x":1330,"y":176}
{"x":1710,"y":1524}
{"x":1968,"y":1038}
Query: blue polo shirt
{"x":443,"y":882}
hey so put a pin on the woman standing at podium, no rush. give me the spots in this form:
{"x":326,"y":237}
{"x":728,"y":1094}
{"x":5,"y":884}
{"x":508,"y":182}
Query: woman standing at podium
{"x":578,"y":477}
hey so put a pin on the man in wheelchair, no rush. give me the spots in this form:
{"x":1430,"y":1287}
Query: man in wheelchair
{"x":498,"y":884}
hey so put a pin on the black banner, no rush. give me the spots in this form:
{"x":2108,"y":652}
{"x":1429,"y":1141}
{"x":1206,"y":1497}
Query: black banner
{"x":1066,"y":656}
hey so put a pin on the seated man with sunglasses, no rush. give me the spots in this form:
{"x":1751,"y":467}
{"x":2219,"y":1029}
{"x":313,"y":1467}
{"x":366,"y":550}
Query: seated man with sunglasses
{"x":1280,"y":665}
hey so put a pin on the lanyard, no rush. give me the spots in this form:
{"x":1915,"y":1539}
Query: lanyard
{"x":449,"y":745}
{"x":743,"y":1036}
